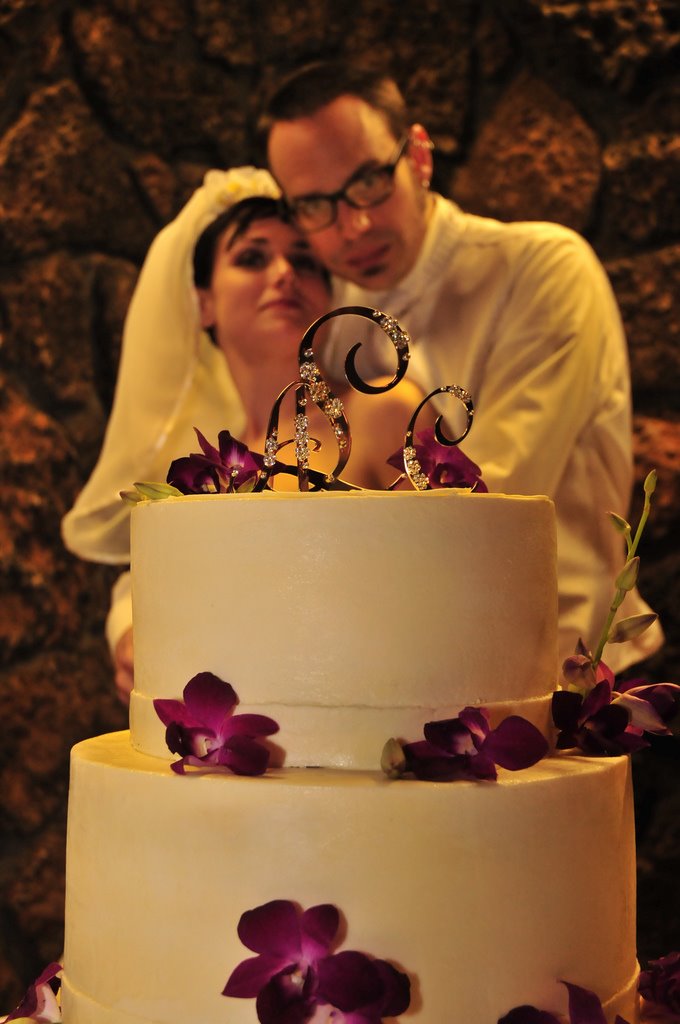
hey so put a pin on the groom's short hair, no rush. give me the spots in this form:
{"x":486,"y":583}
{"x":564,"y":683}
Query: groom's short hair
{"x":305,"y":91}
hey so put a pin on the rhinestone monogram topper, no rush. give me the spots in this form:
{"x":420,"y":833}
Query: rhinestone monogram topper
{"x":312,"y":386}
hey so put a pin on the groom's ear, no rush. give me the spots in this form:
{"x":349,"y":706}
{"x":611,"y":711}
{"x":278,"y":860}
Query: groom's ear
{"x":420,"y":153}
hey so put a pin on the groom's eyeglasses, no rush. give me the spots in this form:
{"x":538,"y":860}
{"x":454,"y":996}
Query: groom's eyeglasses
{"x":364,"y":189}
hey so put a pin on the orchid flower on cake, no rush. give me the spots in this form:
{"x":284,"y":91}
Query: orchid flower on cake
{"x":594,"y":712}
{"x":203,"y":729}
{"x":295,"y":977}
{"x":466,"y":748}
{"x":584,"y":1008}
{"x":40,"y":1004}
{"x":660,"y":988}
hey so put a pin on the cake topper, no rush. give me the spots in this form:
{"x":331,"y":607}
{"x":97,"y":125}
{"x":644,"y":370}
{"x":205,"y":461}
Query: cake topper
{"x":312,"y":385}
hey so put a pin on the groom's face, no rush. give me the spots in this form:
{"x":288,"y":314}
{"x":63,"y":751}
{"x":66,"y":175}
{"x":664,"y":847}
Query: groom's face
{"x":320,"y":154}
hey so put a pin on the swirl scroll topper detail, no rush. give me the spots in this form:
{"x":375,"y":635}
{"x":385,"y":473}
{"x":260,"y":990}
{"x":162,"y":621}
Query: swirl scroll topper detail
{"x":313,"y":386}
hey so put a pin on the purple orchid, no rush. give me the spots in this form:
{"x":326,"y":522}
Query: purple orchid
{"x":40,"y":1003}
{"x":443,"y":465}
{"x":231,"y":468}
{"x":467,"y":748}
{"x":600,"y":715}
{"x":296,"y":980}
{"x":584,"y":1008}
{"x":203,"y":729}
{"x":660,"y":984}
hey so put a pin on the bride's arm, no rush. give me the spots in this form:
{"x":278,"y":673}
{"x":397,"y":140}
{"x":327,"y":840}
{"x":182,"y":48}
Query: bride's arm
{"x":378,"y":424}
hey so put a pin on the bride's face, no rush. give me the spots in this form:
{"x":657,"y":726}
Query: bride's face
{"x":266,"y":287}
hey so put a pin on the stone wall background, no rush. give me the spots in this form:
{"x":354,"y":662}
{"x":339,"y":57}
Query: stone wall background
{"x":110,"y":112}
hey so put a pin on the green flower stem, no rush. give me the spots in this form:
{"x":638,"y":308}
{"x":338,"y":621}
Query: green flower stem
{"x":632,"y":545}
{"x":614,"y":607}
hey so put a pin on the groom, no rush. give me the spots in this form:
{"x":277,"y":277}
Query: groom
{"x":522,"y":315}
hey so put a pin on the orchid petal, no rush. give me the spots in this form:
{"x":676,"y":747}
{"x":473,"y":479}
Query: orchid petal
{"x":603,"y":672}
{"x":515,"y":744}
{"x":429,"y":763}
{"x":479,"y":768}
{"x":39,"y":1002}
{"x":599,"y":697}
{"x":242,"y":755}
{"x":660,"y":983}
{"x":623,"y":685}
{"x":566,"y":709}
{"x":272,"y":928}
{"x":318,"y":928}
{"x":396,"y":988}
{"x":208,"y":450}
{"x":584,"y":1006}
{"x":609,"y":722}
{"x":643,"y":714}
{"x":477,"y":721}
{"x":209,"y":699}
{"x":528,"y":1015}
{"x":174,"y":712}
{"x":664,"y":697}
{"x":250,"y":725}
{"x":349,"y":981}
{"x":194,"y":474}
{"x":234,"y":453}
{"x":444,"y":465}
{"x":450,"y":736}
{"x":251,"y":975}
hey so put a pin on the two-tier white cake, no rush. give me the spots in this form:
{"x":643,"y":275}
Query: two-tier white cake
{"x":348,"y":618}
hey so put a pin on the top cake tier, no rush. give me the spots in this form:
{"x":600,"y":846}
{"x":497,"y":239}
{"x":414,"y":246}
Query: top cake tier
{"x":348,"y":617}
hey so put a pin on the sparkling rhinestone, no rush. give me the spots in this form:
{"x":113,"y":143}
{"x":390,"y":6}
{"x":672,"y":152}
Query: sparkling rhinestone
{"x":334,"y":408}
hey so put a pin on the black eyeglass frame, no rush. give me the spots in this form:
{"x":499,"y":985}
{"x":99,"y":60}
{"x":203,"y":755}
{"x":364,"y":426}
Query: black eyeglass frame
{"x":333,"y":198}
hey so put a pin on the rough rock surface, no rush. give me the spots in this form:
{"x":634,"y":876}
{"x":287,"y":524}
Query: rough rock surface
{"x":110,"y":112}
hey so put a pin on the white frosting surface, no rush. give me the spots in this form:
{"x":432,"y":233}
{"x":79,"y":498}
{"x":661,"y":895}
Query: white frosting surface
{"x":347,"y":617}
{"x":485,"y":894}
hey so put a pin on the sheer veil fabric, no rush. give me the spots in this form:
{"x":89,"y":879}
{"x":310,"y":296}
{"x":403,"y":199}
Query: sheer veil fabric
{"x":171,"y":376}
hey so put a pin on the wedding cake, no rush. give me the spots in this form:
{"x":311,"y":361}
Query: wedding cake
{"x":348,"y":618}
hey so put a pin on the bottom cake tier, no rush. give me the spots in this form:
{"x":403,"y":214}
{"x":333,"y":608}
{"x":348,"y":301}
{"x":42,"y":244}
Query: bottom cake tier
{"x":485,"y":894}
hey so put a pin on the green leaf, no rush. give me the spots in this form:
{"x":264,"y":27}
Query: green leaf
{"x":156,"y":491}
{"x":631,"y":627}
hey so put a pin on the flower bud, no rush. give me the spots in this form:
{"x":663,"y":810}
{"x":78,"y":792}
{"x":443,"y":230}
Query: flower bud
{"x":650,"y":483}
{"x":620,"y":524}
{"x":393,"y":761}
{"x":633,"y":626}
{"x":627,"y":578}
{"x":578,"y":673}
